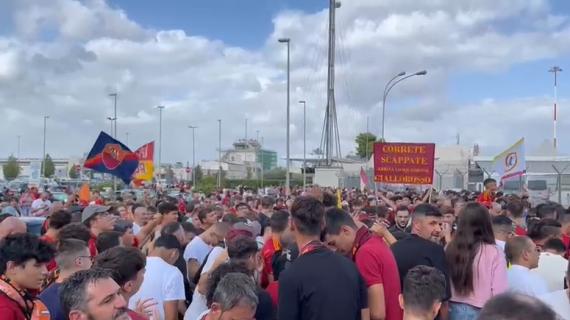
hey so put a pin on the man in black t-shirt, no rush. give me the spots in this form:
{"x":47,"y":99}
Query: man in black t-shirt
{"x":422,"y":248}
{"x":319,"y":285}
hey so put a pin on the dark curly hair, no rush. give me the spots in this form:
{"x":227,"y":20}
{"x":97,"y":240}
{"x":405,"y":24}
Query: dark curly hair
{"x":22,"y":248}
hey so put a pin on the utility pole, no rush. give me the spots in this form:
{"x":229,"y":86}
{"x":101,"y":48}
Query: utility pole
{"x":160,"y":108}
{"x":555,"y":70}
{"x":288,"y":162}
{"x":304,"y":144}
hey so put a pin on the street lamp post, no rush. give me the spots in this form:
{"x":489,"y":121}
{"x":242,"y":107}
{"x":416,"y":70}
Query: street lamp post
{"x":304,"y":144}
{"x":160,"y":108}
{"x":257,"y":172}
{"x":193,"y":154}
{"x":115,"y":133}
{"x":114,"y":95}
{"x":44,"y":149}
{"x":288,"y":161}
{"x":127,"y":134}
{"x":389,"y":87}
{"x":219,"y":153}
{"x":555,"y":70}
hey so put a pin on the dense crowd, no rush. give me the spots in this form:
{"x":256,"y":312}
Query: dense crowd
{"x":315,"y":254}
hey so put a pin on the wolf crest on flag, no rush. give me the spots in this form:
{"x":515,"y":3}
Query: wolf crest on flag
{"x":109,"y":155}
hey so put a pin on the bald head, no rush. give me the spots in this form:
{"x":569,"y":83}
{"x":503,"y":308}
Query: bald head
{"x":11,"y":226}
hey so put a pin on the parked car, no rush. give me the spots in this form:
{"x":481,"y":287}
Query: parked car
{"x":34,"y":224}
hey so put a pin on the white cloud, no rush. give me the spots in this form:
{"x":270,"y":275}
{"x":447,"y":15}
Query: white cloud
{"x":91,"y":49}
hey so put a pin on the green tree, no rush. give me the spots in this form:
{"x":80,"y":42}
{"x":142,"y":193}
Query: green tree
{"x":198,"y":173}
{"x":73,"y":174}
{"x":365,"y":144}
{"x":49,"y":167}
{"x":207,"y":184}
{"x":275,"y":174}
{"x":11,"y":168}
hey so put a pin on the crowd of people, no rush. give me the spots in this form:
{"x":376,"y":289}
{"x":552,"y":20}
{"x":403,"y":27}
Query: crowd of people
{"x":315,"y":254}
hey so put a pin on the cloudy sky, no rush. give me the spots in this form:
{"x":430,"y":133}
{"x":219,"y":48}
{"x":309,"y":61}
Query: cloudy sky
{"x":487,"y":63}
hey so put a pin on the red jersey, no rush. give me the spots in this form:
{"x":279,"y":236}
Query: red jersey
{"x":10,"y":309}
{"x":566,"y":240}
{"x":92,"y":246}
{"x":519,"y":231}
{"x":377,"y":265}
{"x":273,"y":291}
{"x":52,"y":265}
{"x":267,"y":252}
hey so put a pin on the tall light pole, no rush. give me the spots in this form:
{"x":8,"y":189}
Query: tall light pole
{"x":44,"y":150}
{"x":114,"y":132}
{"x":111,"y":122}
{"x":160,"y":108}
{"x":193,"y":154}
{"x":257,"y":173}
{"x":304,"y":144}
{"x":555,"y":70}
{"x":114,"y":95}
{"x":127,"y":134}
{"x":389,"y":87}
{"x":262,"y":163}
{"x":219,"y":153}
{"x":288,"y":161}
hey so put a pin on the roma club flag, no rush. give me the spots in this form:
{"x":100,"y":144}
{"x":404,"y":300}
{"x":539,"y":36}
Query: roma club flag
{"x":111,"y":156}
{"x":363,"y":179}
{"x":145,"y":169}
{"x":511,"y":162}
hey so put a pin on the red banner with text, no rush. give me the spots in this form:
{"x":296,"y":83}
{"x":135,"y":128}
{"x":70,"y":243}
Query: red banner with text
{"x":404,"y":163}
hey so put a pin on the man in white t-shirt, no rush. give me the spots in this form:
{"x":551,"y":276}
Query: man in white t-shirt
{"x":559,"y":301}
{"x":141,"y":217}
{"x":523,"y":255}
{"x":196,"y":251}
{"x":41,"y":206}
{"x":503,"y":229}
{"x":552,"y":265}
{"x":163,"y":282}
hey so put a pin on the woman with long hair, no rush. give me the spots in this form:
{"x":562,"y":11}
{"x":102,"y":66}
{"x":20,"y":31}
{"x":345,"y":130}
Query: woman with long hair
{"x":477,"y":268}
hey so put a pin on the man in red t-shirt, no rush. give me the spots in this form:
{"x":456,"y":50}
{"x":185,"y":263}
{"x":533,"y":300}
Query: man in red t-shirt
{"x":279,"y":222}
{"x":373,"y":259}
{"x":97,"y":219}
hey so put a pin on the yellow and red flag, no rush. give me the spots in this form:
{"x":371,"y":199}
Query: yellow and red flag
{"x":145,"y":170}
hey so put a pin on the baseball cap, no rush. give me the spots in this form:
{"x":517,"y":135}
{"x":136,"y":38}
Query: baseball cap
{"x":252,"y":227}
{"x":92,"y":210}
{"x":243,"y":204}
